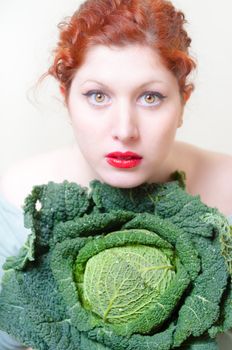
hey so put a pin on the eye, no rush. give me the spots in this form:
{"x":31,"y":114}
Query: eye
{"x":97,"y":97}
{"x":152,"y":98}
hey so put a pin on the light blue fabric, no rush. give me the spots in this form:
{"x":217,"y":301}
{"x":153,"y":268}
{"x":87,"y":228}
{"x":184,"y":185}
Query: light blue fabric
{"x":12,"y":236}
{"x":12,"y":231}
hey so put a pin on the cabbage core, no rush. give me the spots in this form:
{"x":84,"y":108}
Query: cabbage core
{"x":121,"y":283}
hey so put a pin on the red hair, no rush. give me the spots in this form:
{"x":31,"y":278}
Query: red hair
{"x":155,"y":23}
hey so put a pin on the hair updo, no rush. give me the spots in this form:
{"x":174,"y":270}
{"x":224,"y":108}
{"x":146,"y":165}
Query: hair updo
{"x":155,"y":23}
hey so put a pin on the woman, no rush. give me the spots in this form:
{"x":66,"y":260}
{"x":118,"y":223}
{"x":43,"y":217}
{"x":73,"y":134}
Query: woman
{"x":122,"y":67}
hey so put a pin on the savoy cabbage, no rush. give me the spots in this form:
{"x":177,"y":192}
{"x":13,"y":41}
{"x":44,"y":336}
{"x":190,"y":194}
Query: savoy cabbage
{"x":121,"y":269}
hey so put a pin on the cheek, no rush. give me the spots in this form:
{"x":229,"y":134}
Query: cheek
{"x":85,"y":134}
{"x":83,"y":126}
{"x":171,"y":119}
{"x":86,"y":122}
{"x":168,"y":131}
{"x":160,"y":134}
{"x":165,"y":125}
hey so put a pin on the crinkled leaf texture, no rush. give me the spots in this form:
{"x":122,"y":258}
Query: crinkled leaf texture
{"x":121,"y":269}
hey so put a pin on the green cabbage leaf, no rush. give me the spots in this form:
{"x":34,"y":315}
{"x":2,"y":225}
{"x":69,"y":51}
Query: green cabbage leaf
{"x":121,"y":269}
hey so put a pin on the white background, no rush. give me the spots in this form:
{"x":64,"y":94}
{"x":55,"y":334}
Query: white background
{"x":35,"y":120}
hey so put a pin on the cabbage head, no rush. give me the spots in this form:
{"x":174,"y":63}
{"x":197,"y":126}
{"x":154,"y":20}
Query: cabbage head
{"x":122,"y":269}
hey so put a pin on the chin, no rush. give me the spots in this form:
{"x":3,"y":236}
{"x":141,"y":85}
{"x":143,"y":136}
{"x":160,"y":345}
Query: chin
{"x":128,"y":181}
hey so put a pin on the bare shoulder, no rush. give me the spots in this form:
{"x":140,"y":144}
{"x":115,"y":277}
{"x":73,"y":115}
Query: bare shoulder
{"x":218,"y":169}
{"x":212,"y":179}
{"x":18,"y":181}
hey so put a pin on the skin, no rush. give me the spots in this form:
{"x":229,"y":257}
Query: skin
{"x":122,"y":116}
{"x":125,"y":120}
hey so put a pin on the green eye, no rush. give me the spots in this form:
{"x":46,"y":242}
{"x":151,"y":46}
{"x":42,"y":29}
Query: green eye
{"x":97,"y":97}
{"x":153,"y":98}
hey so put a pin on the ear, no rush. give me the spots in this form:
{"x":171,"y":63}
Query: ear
{"x":63,"y":90}
{"x":180,"y":121}
{"x":187,"y":92}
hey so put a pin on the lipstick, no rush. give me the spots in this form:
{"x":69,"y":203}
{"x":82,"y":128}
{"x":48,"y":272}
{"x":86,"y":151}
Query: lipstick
{"x":123,"y":160}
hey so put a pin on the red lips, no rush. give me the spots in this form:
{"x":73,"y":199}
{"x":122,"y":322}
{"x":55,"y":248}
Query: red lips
{"x":123,"y":159}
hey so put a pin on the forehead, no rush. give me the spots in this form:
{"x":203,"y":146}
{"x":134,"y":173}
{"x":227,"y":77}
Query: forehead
{"x":133,"y":64}
{"x":123,"y":52}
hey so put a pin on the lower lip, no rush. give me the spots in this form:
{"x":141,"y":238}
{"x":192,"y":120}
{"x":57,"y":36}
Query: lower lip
{"x":125,"y":164}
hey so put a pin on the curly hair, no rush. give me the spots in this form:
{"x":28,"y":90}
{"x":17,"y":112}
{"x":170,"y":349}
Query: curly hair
{"x":155,"y":23}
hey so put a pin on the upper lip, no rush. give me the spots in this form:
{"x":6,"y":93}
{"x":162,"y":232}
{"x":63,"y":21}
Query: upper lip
{"x":127,"y":154}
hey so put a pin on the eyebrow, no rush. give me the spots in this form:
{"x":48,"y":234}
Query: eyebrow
{"x":139,"y":87}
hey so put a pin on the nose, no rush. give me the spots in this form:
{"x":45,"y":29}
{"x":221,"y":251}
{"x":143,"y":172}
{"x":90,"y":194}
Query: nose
{"x":125,"y":124}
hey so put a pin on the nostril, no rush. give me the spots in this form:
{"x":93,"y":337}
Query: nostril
{"x":125,"y":130}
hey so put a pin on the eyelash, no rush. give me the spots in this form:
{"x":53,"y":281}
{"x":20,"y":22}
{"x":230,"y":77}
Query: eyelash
{"x":152,"y":93}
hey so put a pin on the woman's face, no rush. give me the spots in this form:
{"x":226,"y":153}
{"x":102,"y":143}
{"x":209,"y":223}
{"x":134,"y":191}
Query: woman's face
{"x":125,"y":100}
